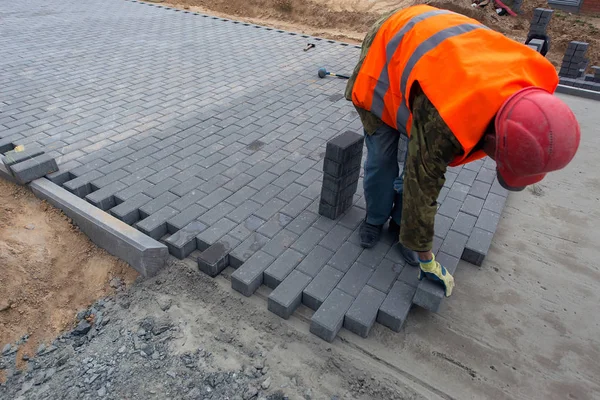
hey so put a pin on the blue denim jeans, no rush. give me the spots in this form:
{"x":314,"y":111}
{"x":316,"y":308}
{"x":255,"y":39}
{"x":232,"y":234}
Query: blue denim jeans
{"x":382,"y":182}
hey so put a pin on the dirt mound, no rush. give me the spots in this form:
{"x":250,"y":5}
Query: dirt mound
{"x":349,"y":20}
{"x":50,"y":270}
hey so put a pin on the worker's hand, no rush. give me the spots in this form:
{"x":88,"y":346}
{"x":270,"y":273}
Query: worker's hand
{"x":434,"y":271}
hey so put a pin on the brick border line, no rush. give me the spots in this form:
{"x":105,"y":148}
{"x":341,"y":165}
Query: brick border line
{"x":157,"y":5}
{"x":579,"y":92}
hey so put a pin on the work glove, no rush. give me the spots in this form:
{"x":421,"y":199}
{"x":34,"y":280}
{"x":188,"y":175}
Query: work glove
{"x":434,"y":271}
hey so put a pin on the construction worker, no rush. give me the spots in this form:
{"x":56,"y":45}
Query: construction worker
{"x":459,"y":91}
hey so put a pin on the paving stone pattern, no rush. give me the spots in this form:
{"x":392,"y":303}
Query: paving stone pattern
{"x":210,"y":135}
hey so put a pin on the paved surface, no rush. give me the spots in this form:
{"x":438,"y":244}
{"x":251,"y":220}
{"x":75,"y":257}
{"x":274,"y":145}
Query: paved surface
{"x":198,"y":131}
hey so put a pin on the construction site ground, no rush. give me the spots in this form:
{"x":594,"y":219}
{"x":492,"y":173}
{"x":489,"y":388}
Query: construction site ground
{"x":522,"y":326}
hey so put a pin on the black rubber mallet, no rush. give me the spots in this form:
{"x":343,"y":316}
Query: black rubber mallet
{"x":323,"y":73}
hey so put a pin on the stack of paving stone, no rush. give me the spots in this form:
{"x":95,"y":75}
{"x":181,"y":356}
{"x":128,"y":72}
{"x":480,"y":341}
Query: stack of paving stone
{"x":572,"y":70}
{"x":538,"y":38}
{"x":26,"y":163}
{"x":341,"y":170}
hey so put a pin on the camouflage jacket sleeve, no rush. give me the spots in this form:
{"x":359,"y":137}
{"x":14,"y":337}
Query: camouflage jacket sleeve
{"x":431,"y":148}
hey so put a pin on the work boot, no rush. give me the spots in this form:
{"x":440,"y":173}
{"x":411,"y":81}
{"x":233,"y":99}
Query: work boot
{"x":409,"y":256}
{"x":369,"y":234}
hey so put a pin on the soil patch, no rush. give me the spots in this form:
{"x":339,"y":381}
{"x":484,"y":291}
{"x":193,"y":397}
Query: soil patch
{"x":50,"y":270}
{"x":349,"y":20}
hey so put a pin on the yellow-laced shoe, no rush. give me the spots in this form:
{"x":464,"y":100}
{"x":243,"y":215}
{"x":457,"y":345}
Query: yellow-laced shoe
{"x":434,"y":271}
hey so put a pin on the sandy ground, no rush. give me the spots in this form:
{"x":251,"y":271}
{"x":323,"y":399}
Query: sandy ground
{"x":49,"y":270}
{"x":349,"y":20}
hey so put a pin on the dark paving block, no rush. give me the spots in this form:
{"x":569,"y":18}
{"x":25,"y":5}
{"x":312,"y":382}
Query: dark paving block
{"x":302,"y":222}
{"x":185,"y":217}
{"x":247,"y":278}
{"x":281,"y":268}
{"x":321,"y":286}
{"x":429,"y":294}
{"x":215,"y":259}
{"x":472,"y":205}
{"x":478,"y":246}
{"x":361,"y":315}
{"x":246,"y":249}
{"x":183,"y":242}
{"x":12,"y":157}
{"x":163,"y":186}
{"x":373,"y":256}
{"x":275,"y":224}
{"x":328,"y":320}
{"x":155,"y":225}
{"x":165,"y":199}
{"x":271,"y":208}
{"x":498,"y":189}
{"x":464,"y":223}
{"x":108,"y":179}
{"x":355,"y":279}
{"x":337,"y":170}
{"x":336,"y":184}
{"x":33,"y":168}
{"x":486,"y":175}
{"x":80,"y":186}
{"x":214,"y":233}
{"x":216,"y":213}
{"x":296,"y":206}
{"x":384,"y":276}
{"x":284,"y":300}
{"x":394,"y":309}
{"x":344,"y":147}
{"x":128,"y":211}
{"x":352,"y":218}
{"x":132,"y":190}
{"x":315,"y":260}
{"x":466,"y":177}
{"x":459,"y":191}
{"x":333,"y":212}
{"x":345,"y":257}
{"x":336,"y":197}
{"x":104,"y":198}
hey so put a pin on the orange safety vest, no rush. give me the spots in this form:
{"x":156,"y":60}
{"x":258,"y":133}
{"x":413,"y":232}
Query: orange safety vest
{"x":465,"y":69}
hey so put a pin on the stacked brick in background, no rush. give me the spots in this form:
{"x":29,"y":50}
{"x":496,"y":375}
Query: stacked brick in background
{"x":341,"y":170}
{"x":572,"y":70}
{"x":538,"y":38}
{"x":516,"y":6}
{"x":27,"y":163}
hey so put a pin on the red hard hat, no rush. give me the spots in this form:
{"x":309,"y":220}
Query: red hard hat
{"x":536,"y":133}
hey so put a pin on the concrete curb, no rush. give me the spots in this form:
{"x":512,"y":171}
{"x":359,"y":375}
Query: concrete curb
{"x":144,"y":254}
{"x":579,"y":92}
{"x":5,"y":173}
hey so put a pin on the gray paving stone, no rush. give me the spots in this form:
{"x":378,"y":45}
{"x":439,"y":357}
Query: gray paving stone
{"x":104,"y":198}
{"x":215,"y":259}
{"x":486,"y":175}
{"x":335,"y":238}
{"x":266,"y":194}
{"x":183,"y":242}
{"x":166,"y":199}
{"x":155,"y":225}
{"x":466,"y":177}
{"x":215,"y":232}
{"x":459,"y":191}
{"x":286,"y":179}
{"x":353,"y":217}
{"x":291,"y":192}
{"x":394,"y":309}
{"x":373,"y":256}
{"x":246,"y":249}
{"x":362,"y":314}
{"x":138,"y":175}
{"x":494,"y":203}
{"x":272,"y":207}
{"x":385,"y":275}
{"x":324,"y":224}
{"x":281,"y":268}
{"x":177,"y":187}
{"x":242,"y":195}
{"x":33,"y":168}
{"x":185,"y":217}
{"x":345,"y":257}
{"x":286,"y":298}
{"x":477,"y":246}
{"x":12,"y":157}
{"x":80,"y":186}
{"x":472,"y":205}
{"x":410,"y":276}
{"x":454,"y":243}
{"x":302,"y":222}
{"x":216,"y":213}
{"x":464,"y":223}
{"x":354,"y":280}
{"x":429,"y":294}
{"x":128,"y":211}
{"x":488,"y":221}
{"x":308,"y":240}
{"x":480,"y":189}
{"x":108,"y":179}
{"x":328,"y":320}
{"x":280,"y":243}
{"x":450,"y":208}
{"x":442,"y":225}
{"x":243,"y":211}
{"x":275,"y":224}
{"x":321,"y":286}
{"x":247,"y":278}
{"x":315,"y":260}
